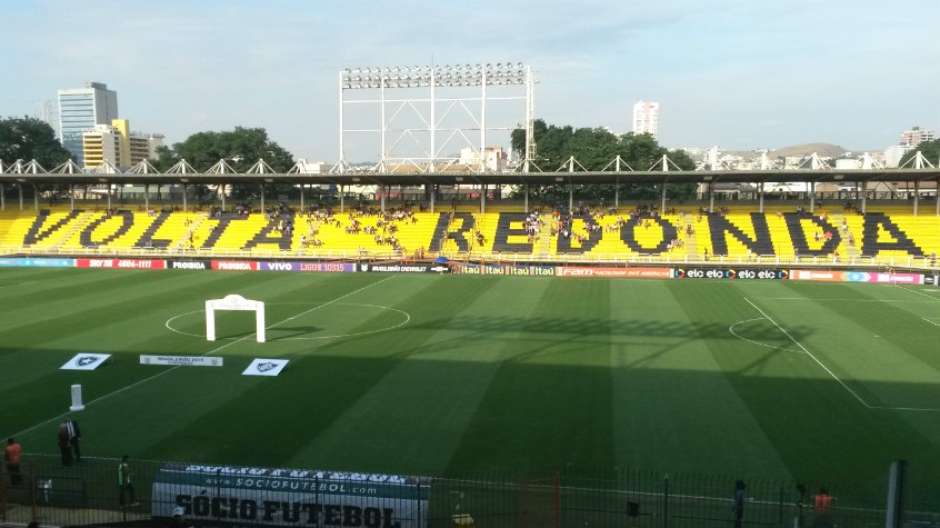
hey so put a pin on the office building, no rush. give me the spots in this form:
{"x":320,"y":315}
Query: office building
{"x":82,"y":109}
{"x":117,"y":145}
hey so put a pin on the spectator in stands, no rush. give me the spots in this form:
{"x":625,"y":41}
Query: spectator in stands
{"x":12,"y":455}
{"x":125,"y":483}
{"x":75,"y":436}
{"x":65,"y":444}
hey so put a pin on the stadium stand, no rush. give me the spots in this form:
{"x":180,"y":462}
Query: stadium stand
{"x":688,"y":233}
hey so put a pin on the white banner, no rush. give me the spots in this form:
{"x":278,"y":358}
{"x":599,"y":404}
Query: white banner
{"x":182,"y":361}
{"x":265,"y":367}
{"x":85,"y":362}
{"x":289,"y":497}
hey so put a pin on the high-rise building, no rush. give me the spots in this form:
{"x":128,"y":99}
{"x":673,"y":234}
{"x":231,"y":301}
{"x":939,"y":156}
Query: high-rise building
{"x":81,"y":109}
{"x":117,"y":145}
{"x":915,"y":136}
{"x":646,"y":118}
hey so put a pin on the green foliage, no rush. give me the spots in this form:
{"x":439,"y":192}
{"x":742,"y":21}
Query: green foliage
{"x":28,"y":138}
{"x":931,"y":150}
{"x":240,"y":148}
{"x":594,"y":148}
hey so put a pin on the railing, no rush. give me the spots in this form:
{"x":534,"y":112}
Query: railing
{"x":917,"y":263}
{"x":89,"y":493}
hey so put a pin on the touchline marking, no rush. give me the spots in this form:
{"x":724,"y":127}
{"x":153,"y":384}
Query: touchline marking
{"x":214,"y":350}
{"x":931,"y":322}
{"x":853,"y":300}
{"x":831,"y":373}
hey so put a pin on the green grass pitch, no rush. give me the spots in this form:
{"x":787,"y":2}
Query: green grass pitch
{"x":444,"y":375}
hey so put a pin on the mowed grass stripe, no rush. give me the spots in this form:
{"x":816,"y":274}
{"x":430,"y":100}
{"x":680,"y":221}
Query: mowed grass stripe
{"x":670,"y":394}
{"x":800,"y":407}
{"x":554,"y":392}
{"x":884,"y":350}
{"x":22,"y":406}
{"x":323,"y":381}
{"x":434,"y":392}
{"x":86,"y":325}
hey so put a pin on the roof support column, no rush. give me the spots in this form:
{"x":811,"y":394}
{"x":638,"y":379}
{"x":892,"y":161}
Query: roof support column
{"x":916,"y":196}
{"x":662,"y":207}
{"x":570,"y":199}
{"x":812,"y":197}
{"x":342,"y":198}
{"x":482,"y":198}
{"x":109,"y":198}
{"x":146,"y":196}
{"x":711,"y":197}
{"x":185,"y":203}
{"x":864,"y":201}
{"x":525,"y":203}
{"x":617,"y":189}
{"x":222,"y":196}
{"x":938,"y":196}
{"x":262,"y":198}
{"x":20,"y":188}
{"x":433,"y":190}
{"x":35,"y":198}
{"x":383,"y":190}
{"x":3,"y":198}
{"x":760,"y":197}
{"x":302,"y":198}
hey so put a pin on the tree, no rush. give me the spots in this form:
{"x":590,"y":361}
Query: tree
{"x":594,"y":149}
{"x":28,"y":138}
{"x":930,"y":149}
{"x":240,"y":148}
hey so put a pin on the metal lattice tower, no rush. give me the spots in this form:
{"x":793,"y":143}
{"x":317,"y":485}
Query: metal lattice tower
{"x":432,"y":108}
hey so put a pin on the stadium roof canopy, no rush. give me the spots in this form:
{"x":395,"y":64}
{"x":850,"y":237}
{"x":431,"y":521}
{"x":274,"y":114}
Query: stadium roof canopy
{"x":69,"y":173}
{"x":515,"y":178}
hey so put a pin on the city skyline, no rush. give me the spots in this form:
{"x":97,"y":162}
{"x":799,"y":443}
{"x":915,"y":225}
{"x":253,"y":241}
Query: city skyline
{"x":731,"y":74}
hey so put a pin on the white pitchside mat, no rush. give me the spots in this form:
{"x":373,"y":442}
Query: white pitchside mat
{"x":265,"y":367}
{"x":85,"y":362}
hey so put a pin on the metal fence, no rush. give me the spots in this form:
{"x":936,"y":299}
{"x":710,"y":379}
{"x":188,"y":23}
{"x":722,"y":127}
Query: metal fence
{"x":89,"y":493}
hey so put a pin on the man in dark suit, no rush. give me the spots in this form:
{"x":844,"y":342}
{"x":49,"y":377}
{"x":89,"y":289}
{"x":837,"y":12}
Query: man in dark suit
{"x":75,"y":436}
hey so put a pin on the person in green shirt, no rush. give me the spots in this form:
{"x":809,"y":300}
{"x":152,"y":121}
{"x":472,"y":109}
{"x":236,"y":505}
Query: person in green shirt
{"x":125,"y":484}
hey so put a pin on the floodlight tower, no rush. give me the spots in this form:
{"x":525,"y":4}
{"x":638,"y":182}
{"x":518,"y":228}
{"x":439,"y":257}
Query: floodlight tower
{"x":432,"y":109}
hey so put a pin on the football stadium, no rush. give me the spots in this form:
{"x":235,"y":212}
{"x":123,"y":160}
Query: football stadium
{"x":459,"y":358}
{"x":340,"y":283}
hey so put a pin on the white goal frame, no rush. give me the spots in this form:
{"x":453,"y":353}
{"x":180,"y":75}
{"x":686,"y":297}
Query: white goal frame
{"x":237,"y":303}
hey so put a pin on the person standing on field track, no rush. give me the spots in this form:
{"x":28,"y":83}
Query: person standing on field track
{"x":65,"y":444}
{"x":75,"y":435}
{"x":125,"y":483}
{"x":12,"y":455}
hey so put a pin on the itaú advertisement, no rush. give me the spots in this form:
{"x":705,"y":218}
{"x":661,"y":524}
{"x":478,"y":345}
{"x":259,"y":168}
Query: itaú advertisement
{"x":235,"y":265}
{"x":619,"y":273}
{"x":874,"y":277}
{"x":120,"y":263}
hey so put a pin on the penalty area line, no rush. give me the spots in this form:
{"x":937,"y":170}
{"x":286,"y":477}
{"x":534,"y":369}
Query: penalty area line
{"x":831,"y":373}
{"x":212,"y":351}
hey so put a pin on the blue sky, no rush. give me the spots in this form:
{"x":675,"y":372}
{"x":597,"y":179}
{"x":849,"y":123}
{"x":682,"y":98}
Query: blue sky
{"x":734,"y":73}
